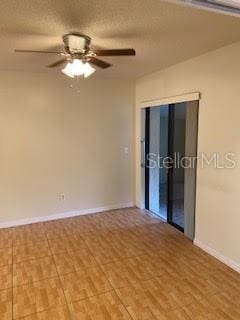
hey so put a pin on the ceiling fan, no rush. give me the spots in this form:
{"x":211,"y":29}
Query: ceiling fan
{"x":80,"y":57}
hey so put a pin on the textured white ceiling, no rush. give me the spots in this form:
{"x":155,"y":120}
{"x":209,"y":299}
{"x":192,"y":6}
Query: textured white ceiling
{"x":162,"y":34}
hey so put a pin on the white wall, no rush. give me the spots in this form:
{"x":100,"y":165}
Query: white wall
{"x":54,"y":141}
{"x":217,"y":76}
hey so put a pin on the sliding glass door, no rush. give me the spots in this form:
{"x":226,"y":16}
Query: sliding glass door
{"x":165,"y":147}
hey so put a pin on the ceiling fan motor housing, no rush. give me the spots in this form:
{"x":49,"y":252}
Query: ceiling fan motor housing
{"x":76,"y":43}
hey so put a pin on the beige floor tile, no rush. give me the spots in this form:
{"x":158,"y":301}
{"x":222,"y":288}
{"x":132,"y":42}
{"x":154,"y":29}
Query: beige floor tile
{"x":155,"y":265}
{"x":36,"y":297}
{"x":233,"y":314}
{"x":121,"y":273}
{"x":102,"y":307}
{"x":148,"y":299}
{"x":61,"y":313}
{"x":5,"y":238}
{"x":5,"y":256}
{"x":55,"y":224}
{"x":37,"y":227}
{"x":178,"y":314}
{"x":74,"y":261}
{"x":27,"y":238}
{"x":139,"y":247}
{"x":97,"y":235}
{"x":30,"y":228}
{"x":33,"y":270}
{"x":202,"y":310}
{"x":111,"y":253}
{"x":165,"y":293}
{"x":85,"y":283}
{"x":30,"y":252}
{"x":62,"y":233}
{"x":213,"y":307}
{"x":6,"y":304}
{"x":6,"y":277}
{"x":60,"y":245}
{"x":233,"y":297}
{"x":99,"y":239}
{"x":221,"y":301}
{"x":226,"y":282}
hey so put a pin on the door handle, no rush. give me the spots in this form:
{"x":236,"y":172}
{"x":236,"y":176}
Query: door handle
{"x":142,"y":153}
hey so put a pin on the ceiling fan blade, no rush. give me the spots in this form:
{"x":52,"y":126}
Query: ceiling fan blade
{"x":99,"y":63}
{"x":37,"y":51}
{"x":57,"y":63}
{"x":115,"y":52}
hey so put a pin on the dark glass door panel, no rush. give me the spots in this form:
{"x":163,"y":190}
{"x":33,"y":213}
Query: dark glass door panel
{"x":177,"y":131}
{"x":156,"y":149}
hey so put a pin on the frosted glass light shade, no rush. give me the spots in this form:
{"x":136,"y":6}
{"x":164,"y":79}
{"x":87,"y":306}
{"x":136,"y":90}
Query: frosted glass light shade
{"x":68,"y":71}
{"x":88,"y":70}
{"x":78,"y":68}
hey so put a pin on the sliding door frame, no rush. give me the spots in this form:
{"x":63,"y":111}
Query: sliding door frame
{"x":171,"y":108}
{"x":147,"y":147}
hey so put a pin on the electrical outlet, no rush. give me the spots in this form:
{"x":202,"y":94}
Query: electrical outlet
{"x":126,"y":150}
{"x":61,"y":197}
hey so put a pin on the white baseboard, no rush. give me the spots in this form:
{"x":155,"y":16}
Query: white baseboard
{"x":63,"y":215}
{"x":229,"y":262}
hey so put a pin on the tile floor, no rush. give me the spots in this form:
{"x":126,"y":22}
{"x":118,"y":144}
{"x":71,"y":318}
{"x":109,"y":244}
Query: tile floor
{"x":121,"y":264}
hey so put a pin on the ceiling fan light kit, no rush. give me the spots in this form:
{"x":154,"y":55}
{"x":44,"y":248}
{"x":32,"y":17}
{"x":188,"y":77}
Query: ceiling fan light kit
{"x":78,"y":68}
{"x":79,"y":57}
